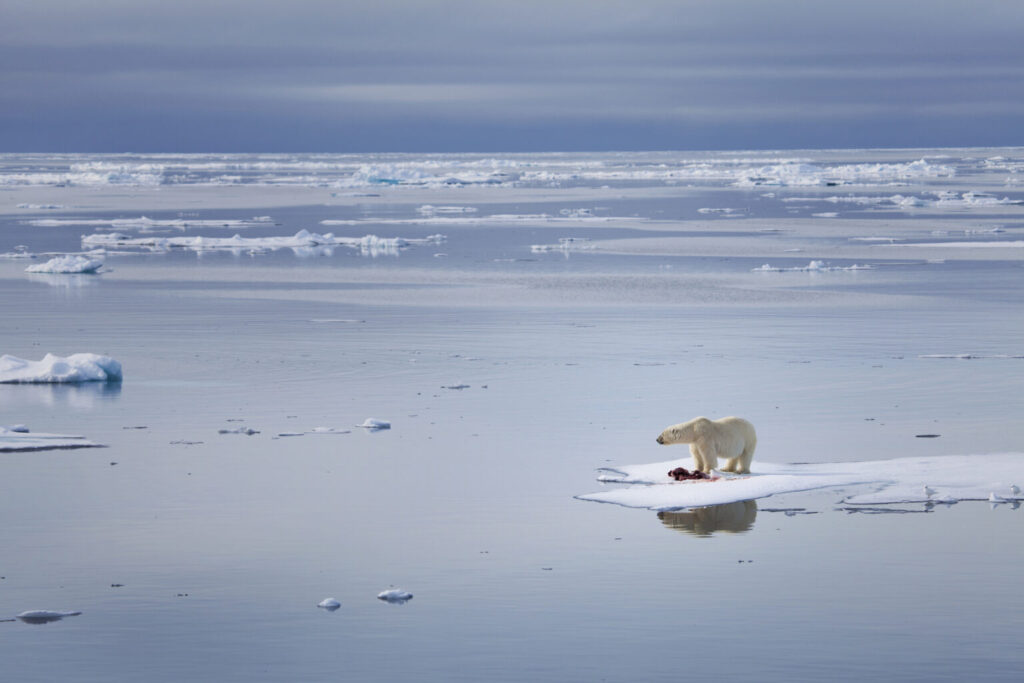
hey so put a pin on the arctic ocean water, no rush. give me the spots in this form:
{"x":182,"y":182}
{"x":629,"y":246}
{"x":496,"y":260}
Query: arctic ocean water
{"x":521,"y":321}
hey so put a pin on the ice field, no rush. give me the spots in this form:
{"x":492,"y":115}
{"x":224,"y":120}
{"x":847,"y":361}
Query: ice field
{"x":378,"y":376}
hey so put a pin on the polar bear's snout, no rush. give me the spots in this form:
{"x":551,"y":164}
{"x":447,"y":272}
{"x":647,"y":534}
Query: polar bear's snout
{"x":660,"y":439}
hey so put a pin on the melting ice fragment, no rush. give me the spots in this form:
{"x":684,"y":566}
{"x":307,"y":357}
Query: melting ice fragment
{"x":395,"y":596}
{"x":374,"y":425}
{"x":67,"y":264}
{"x":329,"y":604}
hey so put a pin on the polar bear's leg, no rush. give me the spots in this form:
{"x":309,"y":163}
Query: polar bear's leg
{"x":698,"y":458}
{"x":730,"y":465}
{"x":744,"y":460}
{"x":704,"y":459}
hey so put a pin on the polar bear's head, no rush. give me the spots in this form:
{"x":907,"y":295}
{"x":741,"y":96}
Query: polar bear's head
{"x":684,"y":432}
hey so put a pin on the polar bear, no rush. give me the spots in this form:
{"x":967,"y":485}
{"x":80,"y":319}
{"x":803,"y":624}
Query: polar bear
{"x":732,"y":438}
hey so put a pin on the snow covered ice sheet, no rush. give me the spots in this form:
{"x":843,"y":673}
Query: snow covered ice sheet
{"x":941,"y":479}
{"x":78,"y":367}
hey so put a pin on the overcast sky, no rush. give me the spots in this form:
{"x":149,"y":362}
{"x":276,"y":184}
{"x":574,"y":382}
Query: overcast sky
{"x":477,"y":75}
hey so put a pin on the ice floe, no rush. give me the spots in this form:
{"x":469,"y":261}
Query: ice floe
{"x":20,"y":252}
{"x":395,"y":595}
{"x":430,"y":210}
{"x":19,"y":438}
{"x":329,"y":430}
{"x":72,"y":263}
{"x":374,"y":425}
{"x":812,"y":267}
{"x":369,"y":244}
{"x":969,"y":356}
{"x":941,"y":199}
{"x":584,"y":216}
{"x":565,"y":244}
{"x":78,"y":367}
{"x":143,"y":223}
{"x":965,"y":244}
{"x":329,"y":604}
{"x":940,"y":479}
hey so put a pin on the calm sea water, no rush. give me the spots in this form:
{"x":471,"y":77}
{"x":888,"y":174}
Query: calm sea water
{"x":196,"y":555}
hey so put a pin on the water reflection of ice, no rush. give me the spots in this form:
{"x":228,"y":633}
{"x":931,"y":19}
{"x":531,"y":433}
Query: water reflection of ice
{"x":733,"y":518}
{"x":81,"y":397}
{"x":65,"y":280}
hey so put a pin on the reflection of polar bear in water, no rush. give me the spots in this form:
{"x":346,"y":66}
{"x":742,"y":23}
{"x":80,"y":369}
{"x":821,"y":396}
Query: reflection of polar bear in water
{"x":732,"y":438}
{"x":729,"y":517}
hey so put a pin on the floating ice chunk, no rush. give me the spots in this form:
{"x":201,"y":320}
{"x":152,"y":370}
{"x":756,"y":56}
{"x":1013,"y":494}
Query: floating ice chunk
{"x":42,"y":616}
{"x":78,"y":367}
{"x":812,"y":267}
{"x":724,"y":212}
{"x":67,"y":264}
{"x":329,"y":430}
{"x":950,"y":479}
{"x":18,"y":438}
{"x":395,"y":595}
{"x":20,"y":251}
{"x":429,"y":210}
{"x":368,"y":244}
{"x":565,"y":244}
{"x":247,"y":431}
{"x":40,"y":206}
{"x":969,"y":356}
{"x":966,"y":244}
{"x":329,"y":604}
{"x":374,"y":425}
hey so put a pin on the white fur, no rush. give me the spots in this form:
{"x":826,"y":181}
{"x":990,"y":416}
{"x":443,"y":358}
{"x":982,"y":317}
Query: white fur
{"x":731,"y":438}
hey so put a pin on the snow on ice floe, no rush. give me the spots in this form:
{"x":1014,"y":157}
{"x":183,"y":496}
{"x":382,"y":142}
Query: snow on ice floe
{"x":78,"y":367}
{"x":812,"y":267}
{"x":18,"y":438}
{"x":374,"y":425}
{"x":369,"y":244}
{"x":395,"y":595}
{"x":71,"y":263}
{"x":940,"y":479}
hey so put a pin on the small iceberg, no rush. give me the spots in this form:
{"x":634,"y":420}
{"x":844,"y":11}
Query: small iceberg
{"x":78,"y":367}
{"x":67,"y":264}
{"x":44,"y":616}
{"x":374,"y":425}
{"x":329,"y":604}
{"x":395,"y":596}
